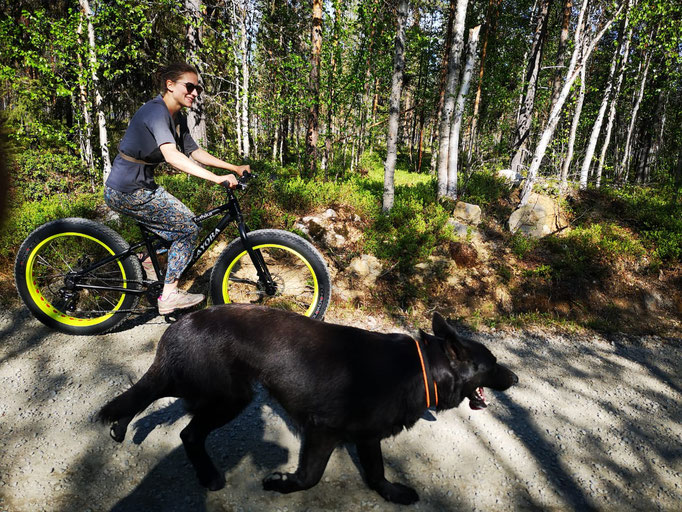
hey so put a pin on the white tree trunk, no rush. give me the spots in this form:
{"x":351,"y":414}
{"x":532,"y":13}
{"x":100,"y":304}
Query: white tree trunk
{"x":196,"y":117}
{"x":579,"y":58}
{"x":596,"y":127}
{"x":612,"y":108}
{"x":527,"y":105}
{"x":237,"y":85}
{"x":452,"y":83}
{"x":243,"y":48}
{"x":574,"y":129}
{"x":238,"y":109}
{"x":394,"y":109}
{"x":86,"y":133}
{"x":456,"y":128}
{"x":625,"y":162}
{"x":101,"y":122}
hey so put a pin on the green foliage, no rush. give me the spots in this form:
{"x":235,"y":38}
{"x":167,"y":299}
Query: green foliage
{"x":543,"y":272}
{"x":591,"y":250}
{"x":23,"y":219}
{"x":654,"y":212}
{"x":521,"y":244}
{"x":301,"y":196}
{"x":39,"y":174}
{"x":412,"y":230}
{"x":46,"y":45}
{"x":483,"y":188}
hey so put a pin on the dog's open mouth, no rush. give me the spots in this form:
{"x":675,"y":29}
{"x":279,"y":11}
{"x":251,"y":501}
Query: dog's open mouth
{"x":477,"y":399}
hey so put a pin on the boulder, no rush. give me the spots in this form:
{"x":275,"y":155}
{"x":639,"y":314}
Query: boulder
{"x":539,"y":217}
{"x":365,"y":268}
{"x":467,"y":213}
{"x":331,"y":229}
{"x":460,"y":229}
{"x":511,"y":177}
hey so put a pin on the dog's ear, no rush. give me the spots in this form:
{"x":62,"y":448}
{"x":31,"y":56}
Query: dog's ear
{"x":441,"y":327}
{"x":454,"y":345}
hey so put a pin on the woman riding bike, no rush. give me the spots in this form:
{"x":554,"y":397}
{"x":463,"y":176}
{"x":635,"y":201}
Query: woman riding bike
{"x":157,"y":133}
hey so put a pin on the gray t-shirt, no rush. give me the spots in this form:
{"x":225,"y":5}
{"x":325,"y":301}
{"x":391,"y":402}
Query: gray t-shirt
{"x":151,"y":126}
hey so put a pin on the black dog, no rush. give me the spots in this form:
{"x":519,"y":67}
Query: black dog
{"x":339,"y":384}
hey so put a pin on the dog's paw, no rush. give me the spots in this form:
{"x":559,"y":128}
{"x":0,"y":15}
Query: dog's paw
{"x":397,"y":493}
{"x":213,"y":481}
{"x":280,"y":482}
{"x":118,"y":431}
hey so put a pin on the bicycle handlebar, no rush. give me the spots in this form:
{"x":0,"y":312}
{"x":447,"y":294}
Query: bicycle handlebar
{"x":241,"y":181}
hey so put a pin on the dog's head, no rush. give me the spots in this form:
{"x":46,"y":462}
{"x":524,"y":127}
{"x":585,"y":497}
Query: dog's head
{"x":473,"y":367}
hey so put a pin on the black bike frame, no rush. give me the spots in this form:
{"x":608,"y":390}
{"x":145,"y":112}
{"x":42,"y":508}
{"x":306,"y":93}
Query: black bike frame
{"x":232,"y":214}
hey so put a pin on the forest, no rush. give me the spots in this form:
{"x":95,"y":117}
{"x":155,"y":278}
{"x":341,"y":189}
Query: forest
{"x":395,"y":109}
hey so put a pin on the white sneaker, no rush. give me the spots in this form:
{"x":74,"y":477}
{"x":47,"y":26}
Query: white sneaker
{"x":179,"y":299}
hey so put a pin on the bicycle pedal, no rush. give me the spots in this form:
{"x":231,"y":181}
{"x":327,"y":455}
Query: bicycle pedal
{"x":171,"y":318}
{"x":175,"y":315}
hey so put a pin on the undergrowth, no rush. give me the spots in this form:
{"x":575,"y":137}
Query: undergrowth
{"x":633,"y":227}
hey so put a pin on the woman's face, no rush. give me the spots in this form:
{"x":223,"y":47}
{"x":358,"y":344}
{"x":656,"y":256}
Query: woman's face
{"x":179,"y":89}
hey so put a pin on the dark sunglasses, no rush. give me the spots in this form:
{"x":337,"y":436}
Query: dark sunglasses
{"x":190,"y":88}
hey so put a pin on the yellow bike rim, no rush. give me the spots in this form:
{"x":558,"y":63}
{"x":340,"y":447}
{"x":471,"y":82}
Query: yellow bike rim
{"x":44,"y":304}
{"x":315,"y":285}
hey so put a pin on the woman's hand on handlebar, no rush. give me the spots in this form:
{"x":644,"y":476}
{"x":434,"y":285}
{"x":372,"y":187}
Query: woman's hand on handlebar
{"x":229,"y":181}
{"x":241,"y":169}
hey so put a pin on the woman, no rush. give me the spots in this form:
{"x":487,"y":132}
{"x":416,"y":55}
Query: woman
{"x":158,"y":132}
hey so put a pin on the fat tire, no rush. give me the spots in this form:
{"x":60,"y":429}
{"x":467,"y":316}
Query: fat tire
{"x":103,"y":235}
{"x":265,"y":237}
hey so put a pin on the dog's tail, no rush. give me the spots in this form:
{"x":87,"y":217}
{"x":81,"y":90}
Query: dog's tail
{"x":121,"y":410}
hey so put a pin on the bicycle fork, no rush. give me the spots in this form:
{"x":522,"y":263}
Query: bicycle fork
{"x":256,"y":256}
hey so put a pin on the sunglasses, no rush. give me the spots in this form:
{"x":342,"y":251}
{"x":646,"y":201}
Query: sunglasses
{"x":190,"y":88}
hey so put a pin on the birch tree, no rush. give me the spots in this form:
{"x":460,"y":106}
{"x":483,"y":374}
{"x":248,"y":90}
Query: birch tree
{"x":442,"y":86}
{"x":452,"y":83}
{"x":243,"y":111}
{"x":312,"y":134}
{"x":574,"y":130}
{"x":612,"y":108}
{"x":596,"y":127}
{"x":622,"y":169}
{"x":103,"y":136}
{"x":561,"y":52}
{"x":453,"y":151}
{"x":196,"y":117}
{"x":86,"y":131}
{"x":394,"y":106}
{"x":582,"y":50}
{"x":525,"y":117}
{"x":490,"y":26}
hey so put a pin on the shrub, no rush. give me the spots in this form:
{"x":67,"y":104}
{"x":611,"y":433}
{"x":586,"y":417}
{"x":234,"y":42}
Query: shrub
{"x":521,"y":244}
{"x":483,"y":188}
{"x":656,"y":215}
{"x":410,"y":232}
{"x":24,"y":219}
{"x":40,"y":174}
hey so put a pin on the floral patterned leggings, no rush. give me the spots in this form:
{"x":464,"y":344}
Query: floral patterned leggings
{"x":166,"y":216}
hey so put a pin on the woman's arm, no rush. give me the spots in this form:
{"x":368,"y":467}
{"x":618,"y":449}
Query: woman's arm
{"x":181,"y":162}
{"x":204,"y":157}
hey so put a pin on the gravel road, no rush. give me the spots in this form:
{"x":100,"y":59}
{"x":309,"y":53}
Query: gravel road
{"x":594,"y":423}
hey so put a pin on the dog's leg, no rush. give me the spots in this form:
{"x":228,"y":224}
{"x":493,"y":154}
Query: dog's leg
{"x":372,"y":463}
{"x":316,"y":448}
{"x":120,"y":411}
{"x":194,"y":440}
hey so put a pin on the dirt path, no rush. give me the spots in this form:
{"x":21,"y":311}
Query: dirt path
{"x":594,"y":423}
